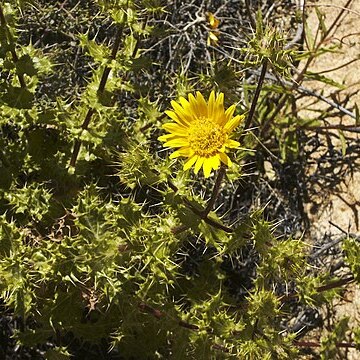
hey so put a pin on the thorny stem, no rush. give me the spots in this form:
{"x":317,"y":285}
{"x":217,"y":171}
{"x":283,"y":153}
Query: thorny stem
{"x":299,"y":36}
{"x":302,"y":73}
{"x":317,"y":344}
{"x":318,"y":46}
{"x":260,"y":82}
{"x":158,"y":314}
{"x":101,"y":88}
{"x":215,"y":192}
{"x":303,"y":90}
{"x":206,"y":218}
{"x":12,"y":46}
{"x":353,"y":129}
{"x":320,"y":289}
{"x":200,"y":212}
{"x":248,"y":10}
{"x":336,"y":284}
{"x":337,"y":18}
{"x":256,"y":95}
{"x":314,"y":52}
{"x":270,"y":120}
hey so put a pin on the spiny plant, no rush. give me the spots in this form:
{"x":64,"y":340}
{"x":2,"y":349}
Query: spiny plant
{"x":107,"y":246}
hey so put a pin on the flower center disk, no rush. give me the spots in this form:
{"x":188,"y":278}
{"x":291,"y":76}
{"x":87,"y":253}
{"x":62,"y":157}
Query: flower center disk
{"x":206,"y":137}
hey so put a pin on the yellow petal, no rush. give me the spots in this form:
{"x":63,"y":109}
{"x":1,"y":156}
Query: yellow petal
{"x":220,"y":100}
{"x":190,"y":162}
{"x":213,"y":21}
{"x":172,"y":115}
{"x":178,"y":142}
{"x":193,"y":104}
{"x":211,"y":103}
{"x":219,"y":109}
{"x":184,"y":151}
{"x":207,"y":167}
{"x":230,"y":112}
{"x":232,"y":144}
{"x":213,"y":37}
{"x":166,"y":137}
{"x":198,"y":164}
{"x":233,"y":123}
{"x":175,"y":129}
{"x":180,"y":112}
{"x":185,"y":104}
{"x":225,"y":159}
{"x":198,"y":104}
{"x":215,"y":162}
{"x":200,"y":98}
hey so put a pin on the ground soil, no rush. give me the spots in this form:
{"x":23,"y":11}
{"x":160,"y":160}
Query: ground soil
{"x":334,"y":210}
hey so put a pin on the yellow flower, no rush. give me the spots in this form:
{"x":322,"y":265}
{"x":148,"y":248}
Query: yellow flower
{"x":213,"y":36}
{"x":201,"y":130}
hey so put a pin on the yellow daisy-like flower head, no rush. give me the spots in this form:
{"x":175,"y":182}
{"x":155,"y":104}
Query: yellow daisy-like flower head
{"x":201,"y":130}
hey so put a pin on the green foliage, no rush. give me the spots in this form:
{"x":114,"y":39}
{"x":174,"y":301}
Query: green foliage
{"x":352,"y":253}
{"x":268,"y":44}
{"x":329,"y":343}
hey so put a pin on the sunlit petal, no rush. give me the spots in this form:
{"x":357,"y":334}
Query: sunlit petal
{"x":230,"y":112}
{"x":178,"y":142}
{"x":198,"y":164}
{"x":203,"y":107}
{"x":190,"y":162}
{"x":167,"y":137}
{"x":232,"y":144}
{"x":198,"y":105}
{"x":225,"y":159}
{"x":185,"y":104}
{"x":201,"y":131}
{"x":233,"y":123}
{"x":211,"y":103}
{"x":175,"y":129}
{"x":184,"y":151}
{"x":180,"y":112}
{"x":172,"y":115}
{"x":207,"y":167}
{"x":215,"y":162}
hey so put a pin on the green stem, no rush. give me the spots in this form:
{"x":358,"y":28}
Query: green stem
{"x":101,"y":88}
{"x":300,"y":77}
{"x":215,"y":192}
{"x":256,"y":95}
{"x":249,"y":12}
{"x":199,"y":212}
{"x":317,"y":344}
{"x":159,"y":314}
{"x":331,"y":285}
{"x":12,"y":46}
